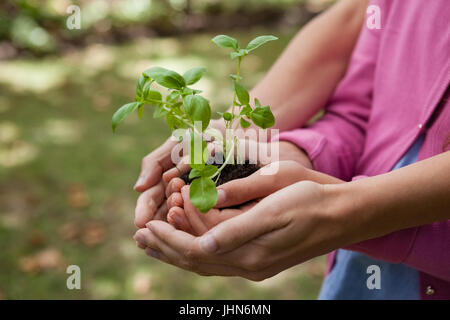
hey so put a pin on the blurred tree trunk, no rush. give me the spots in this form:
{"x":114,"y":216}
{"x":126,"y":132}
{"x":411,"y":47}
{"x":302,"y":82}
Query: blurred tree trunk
{"x":188,"y":7}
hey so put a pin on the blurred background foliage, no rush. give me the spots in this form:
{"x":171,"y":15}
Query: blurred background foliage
{"x":39,"y":25}
{"x":66,"y":181}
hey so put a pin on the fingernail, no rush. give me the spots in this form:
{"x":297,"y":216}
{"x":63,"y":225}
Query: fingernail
{"x":208,"y":243}
{"x":177,"y":219}
{"x":152,"y":253}
{"x":139,"y":182}
{"x":221,"y":197}
{"x":139,"y":238}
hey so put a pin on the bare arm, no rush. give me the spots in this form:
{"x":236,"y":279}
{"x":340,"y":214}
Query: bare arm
{"x":304,"y":77}
{"x":411,"y":196}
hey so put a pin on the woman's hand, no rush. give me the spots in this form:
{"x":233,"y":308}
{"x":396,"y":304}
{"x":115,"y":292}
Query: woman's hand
{"x":286,"y":228}
{"x":151,"y":203}
{"x":307,"y":219}
{"x":246,"y":191}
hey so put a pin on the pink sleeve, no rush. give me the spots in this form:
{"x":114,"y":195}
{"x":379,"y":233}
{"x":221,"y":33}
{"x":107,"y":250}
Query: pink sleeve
{"x":335,"y":142}
{"x":425,"y":248}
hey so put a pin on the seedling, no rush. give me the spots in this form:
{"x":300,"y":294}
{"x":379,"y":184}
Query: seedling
{"x":185,"y":108}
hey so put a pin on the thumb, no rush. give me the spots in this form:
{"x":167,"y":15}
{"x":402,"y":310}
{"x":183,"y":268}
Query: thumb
{"x":154,"y":165}
{"x":235,"y":232}
{"x":242,"y":190}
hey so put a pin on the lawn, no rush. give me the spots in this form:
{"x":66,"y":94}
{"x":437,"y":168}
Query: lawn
{"x":66,"y":181}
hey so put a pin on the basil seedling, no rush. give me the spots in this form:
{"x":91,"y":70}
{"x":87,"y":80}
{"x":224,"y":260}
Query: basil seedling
{"x":184,"y":108}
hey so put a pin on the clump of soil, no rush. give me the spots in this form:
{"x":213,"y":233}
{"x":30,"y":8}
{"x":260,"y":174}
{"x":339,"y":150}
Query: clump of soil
{"x":229,"y":172}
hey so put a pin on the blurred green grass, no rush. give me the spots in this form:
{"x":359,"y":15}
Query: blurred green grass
{"x":66,"y":181}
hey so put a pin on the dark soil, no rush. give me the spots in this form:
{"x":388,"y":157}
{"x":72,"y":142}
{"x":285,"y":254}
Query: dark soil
{"x":230,"y":172}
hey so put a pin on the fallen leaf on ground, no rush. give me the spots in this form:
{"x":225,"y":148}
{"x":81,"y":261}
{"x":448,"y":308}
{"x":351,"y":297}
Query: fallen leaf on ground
{"x":77,"y":196}
{"x":93,"y":234}
{"x":69,"y":231}
{"x":142,"y":283}
{"x":37,"y":238}
{"x":47,"y":259}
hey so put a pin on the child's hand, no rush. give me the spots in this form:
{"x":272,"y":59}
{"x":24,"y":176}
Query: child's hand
{"x":183,"y":215}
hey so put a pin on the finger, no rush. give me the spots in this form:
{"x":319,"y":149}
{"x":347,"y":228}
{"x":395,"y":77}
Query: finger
{"x":161,"y":214}
{"x":140,"y":245}
{"x":174,"y":185}
{"x":182,"y":167}
{"x":235,"y":232}
{"x":242,"y":190}
{"x":175,"y":200}
{"x":258,"y":185}
{"x":148,"y":204}
{"x":153,"y":166}
{"x":183,"y":251}
{"x":192,"y":214}
{"x":157,"y":249}
{"x":178,"y":219}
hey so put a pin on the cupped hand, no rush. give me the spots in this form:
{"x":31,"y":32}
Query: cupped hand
{"x":151,"y":203}
{"x":285,"y":228}
{"x":183,"y":215}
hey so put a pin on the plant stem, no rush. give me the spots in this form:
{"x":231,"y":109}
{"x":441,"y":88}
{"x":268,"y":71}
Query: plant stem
{"x":229,"y":124}
{"x":224,"y":163}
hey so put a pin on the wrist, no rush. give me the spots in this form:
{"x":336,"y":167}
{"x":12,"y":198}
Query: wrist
{"x":345,"y":207}
{"x":289,"y":151}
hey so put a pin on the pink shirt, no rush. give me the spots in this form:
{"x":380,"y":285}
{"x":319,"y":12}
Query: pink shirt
{"x":390,"y":95}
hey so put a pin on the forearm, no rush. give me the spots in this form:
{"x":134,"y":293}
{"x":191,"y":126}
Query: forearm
{"x":304,"y":77}
{"x":415,"y":195}
{"x":306,"y":74}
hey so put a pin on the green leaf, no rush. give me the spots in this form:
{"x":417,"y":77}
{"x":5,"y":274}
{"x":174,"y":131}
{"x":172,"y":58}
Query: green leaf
{"x":174,"y":123}
{"x":257,"y":103}
{"x":203,"y":194}
{"x":241,"y":93}
{"x":227,"y":116}
{"x":171,"y":121}
{"x":209,"y":170}
{"x":187,"y":91}
{"x":198,"y":166}
{"x":140,"y":110}
{"x":198,"y":109}
{"x":152,"y":95}
{"x":166,"y":78}
{"x":160,"y":112}
{"x":193,"y":75}
{"x":259,"y":41}
{"x":224,"y":41}
{"x":173,"y":96}
{"x":262,"y":117}
{"x":142,"y":83}
{"x":197,"y":159}
{"x":240,"y":53}
{"x":245,"y":110}
{"x":205,"y":171}
{"x":244,"y":123}
{"x":195,"y":173}
{"x":123,"y":112}
{"x":235,"y":77}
